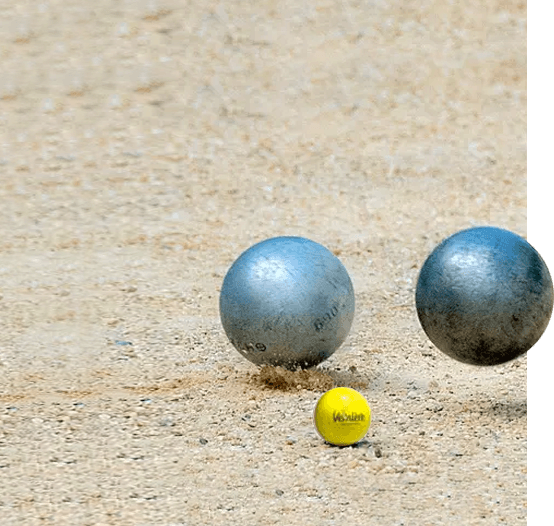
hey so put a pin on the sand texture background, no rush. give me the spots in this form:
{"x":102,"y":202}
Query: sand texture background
{"x":143,"y":146}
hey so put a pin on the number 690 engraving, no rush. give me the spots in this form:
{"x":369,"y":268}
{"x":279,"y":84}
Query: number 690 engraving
{"x":320,"y":323}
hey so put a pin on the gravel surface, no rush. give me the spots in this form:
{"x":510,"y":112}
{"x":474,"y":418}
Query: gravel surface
{"x":143,"y":146}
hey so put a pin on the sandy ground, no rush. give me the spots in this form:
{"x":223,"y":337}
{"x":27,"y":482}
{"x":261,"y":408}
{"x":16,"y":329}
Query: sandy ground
{"x":143,"y":147}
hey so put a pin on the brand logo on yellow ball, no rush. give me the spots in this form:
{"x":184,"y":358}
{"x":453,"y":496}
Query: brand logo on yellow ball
{"x":348,"y":417}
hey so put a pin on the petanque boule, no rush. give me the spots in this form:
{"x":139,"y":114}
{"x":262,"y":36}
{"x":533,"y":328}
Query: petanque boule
{"x":484,"y":296}
{"x":287,"y":301}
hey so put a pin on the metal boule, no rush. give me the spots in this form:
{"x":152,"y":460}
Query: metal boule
{"x":287,"y":301}
{"x":484,"y":296}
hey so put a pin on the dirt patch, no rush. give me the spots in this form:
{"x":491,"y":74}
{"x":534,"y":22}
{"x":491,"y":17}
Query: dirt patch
{"x":316,"y":380}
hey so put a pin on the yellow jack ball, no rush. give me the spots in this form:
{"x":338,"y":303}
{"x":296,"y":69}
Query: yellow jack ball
{"x":342,"y":416}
